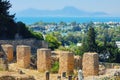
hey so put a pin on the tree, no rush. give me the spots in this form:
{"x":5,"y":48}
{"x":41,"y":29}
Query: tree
{"x":91,"y":40}
{"x":4,"y":8}
{"x":63,"y":23}
{"x":90,"y":45}
{"x":7,"y":24}
{"x":52,"y":41}
{"x":114,"y":52}
{"x":73,"y":23}
{"x":9,"y":28}
{"x":26,"y":33}
{"x":76,"y":28}
{"x":90,"y":24}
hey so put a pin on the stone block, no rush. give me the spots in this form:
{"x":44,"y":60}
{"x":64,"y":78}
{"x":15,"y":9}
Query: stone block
{"x":66,"y":62}
{"x":23,"y":56}
{"x":8,"y":49}
{"x":90,"y":64}
{"x":43,"y":60}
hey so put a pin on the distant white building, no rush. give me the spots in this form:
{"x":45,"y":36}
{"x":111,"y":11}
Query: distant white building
{"x":118,"y":44}
{"x":79,"y":44}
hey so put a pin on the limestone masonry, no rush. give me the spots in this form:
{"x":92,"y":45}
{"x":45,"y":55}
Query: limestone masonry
{"x":23,"y":56}
{"x":90,"y":64}
{"x":43,"y":60}
{"x":35,"y":44}
{"x":66,"y":62}
{"x":9,"y":51}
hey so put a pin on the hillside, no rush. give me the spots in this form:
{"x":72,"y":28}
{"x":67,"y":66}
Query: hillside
{"x":66,"y":11}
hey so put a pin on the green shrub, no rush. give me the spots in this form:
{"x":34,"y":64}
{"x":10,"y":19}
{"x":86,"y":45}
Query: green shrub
{"x":55,"y":67}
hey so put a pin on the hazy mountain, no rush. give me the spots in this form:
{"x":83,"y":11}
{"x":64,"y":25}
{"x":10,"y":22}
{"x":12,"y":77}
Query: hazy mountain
{"x":65,"y":12}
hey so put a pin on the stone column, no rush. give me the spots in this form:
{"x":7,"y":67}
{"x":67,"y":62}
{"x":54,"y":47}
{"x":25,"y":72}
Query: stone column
{"x":23,"y":56}
{"x":80,"y":75}
{"x":43,"y":60}
{"x":90,"y":64}
{"x":9,"y":51}
{"x":66,"y":62}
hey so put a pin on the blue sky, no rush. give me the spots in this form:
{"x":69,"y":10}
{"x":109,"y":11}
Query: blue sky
{"x":109,"y":6}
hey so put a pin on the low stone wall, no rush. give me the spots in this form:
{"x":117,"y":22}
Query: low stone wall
{"x":33,"y":43}
{"x":110,"y":65}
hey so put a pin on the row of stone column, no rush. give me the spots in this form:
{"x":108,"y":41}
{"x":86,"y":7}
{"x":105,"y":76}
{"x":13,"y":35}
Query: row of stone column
{"x":90,"y":63}
{"x":23,"y":53}
{"x":66,"y":61}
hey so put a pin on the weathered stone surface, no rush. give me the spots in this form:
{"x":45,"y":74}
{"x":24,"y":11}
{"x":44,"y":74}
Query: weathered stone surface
{"x":56,"y":53}
{"x":9,"y":51}
{"x":23,"y":56}
{"x":43,"y":60}
{"x":113,"y":72}
{"x":33,"y":43}
{"x":90,"y":64}
{"x":77,"y":62}
{"x":15,"y":76}
{"x":54,"y":59}
{"x":66,"y":62}
{"x":3,"y":62}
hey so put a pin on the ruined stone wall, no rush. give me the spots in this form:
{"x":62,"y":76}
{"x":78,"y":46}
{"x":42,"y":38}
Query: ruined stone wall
{"x":33,"y":43}
{"x":66,"y":62}
{"x":3,"y":65}
{"x":90,"y":64}
{"x":109,"y":65}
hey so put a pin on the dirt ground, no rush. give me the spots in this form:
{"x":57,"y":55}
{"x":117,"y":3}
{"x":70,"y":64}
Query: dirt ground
{"x":14,"y":70}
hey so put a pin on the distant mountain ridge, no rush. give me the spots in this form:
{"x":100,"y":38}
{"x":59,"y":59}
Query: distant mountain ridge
{"x":65,"y":12}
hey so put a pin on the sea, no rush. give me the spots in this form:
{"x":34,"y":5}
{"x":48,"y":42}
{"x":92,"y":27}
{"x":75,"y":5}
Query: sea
{"x":32,"y":20}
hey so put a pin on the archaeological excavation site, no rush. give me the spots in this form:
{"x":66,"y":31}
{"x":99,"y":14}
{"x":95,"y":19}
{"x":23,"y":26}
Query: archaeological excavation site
{"x":19,"y":63}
